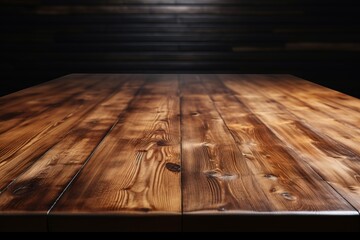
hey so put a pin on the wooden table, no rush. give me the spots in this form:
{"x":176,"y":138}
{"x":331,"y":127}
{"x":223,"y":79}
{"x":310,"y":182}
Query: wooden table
{"x":179,"y":152}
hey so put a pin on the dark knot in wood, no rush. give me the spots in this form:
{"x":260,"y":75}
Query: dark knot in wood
{"x":173,"y":167}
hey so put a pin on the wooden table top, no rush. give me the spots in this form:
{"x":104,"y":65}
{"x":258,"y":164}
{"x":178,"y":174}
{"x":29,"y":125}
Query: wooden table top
{"x":179,"y":152}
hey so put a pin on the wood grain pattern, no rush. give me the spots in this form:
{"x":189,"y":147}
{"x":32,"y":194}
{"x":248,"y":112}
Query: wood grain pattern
{"x":53,"y":171}
{"x":242,"y":161}
{"x":137,"y":167}
{"x":21,"y":146}
{"x":179,"y":152}
{"x":26,"y":105}
{"x":332,"y":150}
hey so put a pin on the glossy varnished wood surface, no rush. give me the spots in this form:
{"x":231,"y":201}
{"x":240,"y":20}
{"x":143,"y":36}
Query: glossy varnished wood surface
{"x":179,"y":152}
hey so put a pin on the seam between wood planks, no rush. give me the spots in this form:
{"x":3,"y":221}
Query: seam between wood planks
{"x":181,"y":153}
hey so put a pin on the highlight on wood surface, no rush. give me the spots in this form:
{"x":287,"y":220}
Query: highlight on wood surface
{"x":124,"y":152}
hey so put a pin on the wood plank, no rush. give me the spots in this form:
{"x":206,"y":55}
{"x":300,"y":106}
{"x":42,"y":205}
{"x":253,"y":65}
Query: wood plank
{"x":133,"y":179}
{"x":330,"y":157}
{"x":22,"y":146}
{"x":233,"y":165}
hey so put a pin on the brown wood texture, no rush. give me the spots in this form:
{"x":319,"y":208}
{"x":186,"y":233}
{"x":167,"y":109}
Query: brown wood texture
{"x":137,"y":167}
{"x":179,"y":152}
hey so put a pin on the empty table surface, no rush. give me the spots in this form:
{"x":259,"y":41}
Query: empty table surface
{"x":138,"y":152}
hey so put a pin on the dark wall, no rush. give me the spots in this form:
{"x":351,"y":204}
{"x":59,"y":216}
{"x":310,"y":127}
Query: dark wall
{"x":315,"y":39}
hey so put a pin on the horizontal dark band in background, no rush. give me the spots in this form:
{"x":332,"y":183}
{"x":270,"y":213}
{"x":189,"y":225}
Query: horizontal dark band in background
{"x":42,"y":39}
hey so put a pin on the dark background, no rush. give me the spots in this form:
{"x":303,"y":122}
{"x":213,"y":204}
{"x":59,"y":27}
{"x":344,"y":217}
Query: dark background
{"x":318,"y":40}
